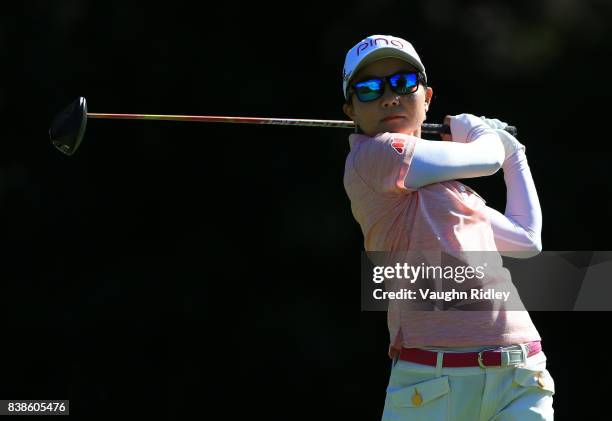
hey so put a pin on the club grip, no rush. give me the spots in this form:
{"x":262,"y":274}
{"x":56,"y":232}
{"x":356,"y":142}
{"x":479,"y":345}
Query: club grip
{"x":444,"y":129}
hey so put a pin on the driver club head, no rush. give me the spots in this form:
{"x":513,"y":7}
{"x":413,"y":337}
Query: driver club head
{"x":68,"y":127}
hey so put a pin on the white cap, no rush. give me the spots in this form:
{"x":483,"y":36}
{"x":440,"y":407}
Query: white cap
{"x":376,"y":47}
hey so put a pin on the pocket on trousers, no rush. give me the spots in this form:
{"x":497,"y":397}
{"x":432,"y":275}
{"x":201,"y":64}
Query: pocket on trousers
{"x":534,"y":378}
{"x":427,"y":400}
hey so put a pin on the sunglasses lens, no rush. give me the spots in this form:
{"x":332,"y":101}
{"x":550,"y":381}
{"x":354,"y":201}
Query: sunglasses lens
{"x":404,"y":83}
{"x":369,"y":90}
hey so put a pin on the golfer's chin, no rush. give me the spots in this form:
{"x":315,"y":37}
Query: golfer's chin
{"x":397,"y":125}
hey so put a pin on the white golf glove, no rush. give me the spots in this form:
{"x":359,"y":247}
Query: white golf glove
{"x":494,"y":123}
{"x":466,"y":128}
{"x":511,"y":144}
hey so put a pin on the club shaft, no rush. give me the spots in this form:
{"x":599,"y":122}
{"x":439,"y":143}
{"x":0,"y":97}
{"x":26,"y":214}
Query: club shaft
{"x":220,"y":119}
{"x":344,"y":124}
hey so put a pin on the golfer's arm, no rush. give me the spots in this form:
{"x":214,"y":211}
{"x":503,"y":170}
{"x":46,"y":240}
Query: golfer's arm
{"x":518,"y":231}
{"x":436,"y":161}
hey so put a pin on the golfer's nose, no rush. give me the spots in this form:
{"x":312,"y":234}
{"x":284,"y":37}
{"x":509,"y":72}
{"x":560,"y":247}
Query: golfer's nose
{"x":390,"y":98}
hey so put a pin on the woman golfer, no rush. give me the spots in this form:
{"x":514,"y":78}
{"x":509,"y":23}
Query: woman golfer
{"x":446,"y":365}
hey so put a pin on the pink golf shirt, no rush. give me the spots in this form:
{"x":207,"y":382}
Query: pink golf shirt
{"x":446,"y":216}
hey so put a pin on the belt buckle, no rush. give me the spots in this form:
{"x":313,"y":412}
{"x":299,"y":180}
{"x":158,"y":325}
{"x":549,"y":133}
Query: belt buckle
{"x":480,"y":363}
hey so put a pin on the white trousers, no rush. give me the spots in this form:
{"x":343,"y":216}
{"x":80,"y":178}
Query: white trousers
{"x":420,"y":392}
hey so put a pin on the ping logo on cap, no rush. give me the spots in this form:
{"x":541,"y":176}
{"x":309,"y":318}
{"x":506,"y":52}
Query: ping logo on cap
{"x":373,"y":42}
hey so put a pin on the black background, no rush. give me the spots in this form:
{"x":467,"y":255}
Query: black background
{"x":173,"y":268}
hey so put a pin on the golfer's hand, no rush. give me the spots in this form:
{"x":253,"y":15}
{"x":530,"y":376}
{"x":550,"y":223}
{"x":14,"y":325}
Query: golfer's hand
{"x":511,"y":144}
{"x":464,"y":128}
{"x":494,"y":123}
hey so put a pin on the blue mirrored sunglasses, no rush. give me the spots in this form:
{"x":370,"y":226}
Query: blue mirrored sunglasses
{"x":402,"y":83}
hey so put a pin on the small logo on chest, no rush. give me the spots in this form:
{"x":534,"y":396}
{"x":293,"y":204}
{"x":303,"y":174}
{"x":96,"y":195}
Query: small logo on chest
{"x":398,"y":145}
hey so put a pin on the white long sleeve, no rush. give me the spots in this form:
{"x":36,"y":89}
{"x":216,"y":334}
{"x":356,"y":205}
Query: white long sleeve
{"x":518,"y":231}
{"x":436,"y":161}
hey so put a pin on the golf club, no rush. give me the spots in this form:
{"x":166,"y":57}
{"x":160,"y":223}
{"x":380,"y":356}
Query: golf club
{"x":68,"y":127}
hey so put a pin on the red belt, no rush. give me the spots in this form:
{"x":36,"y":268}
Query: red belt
{"x":484,"y":358}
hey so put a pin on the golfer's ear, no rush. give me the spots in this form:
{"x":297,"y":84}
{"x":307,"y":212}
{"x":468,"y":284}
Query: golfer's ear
{"x":428,"y":97}
{"x":348,"y":110}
